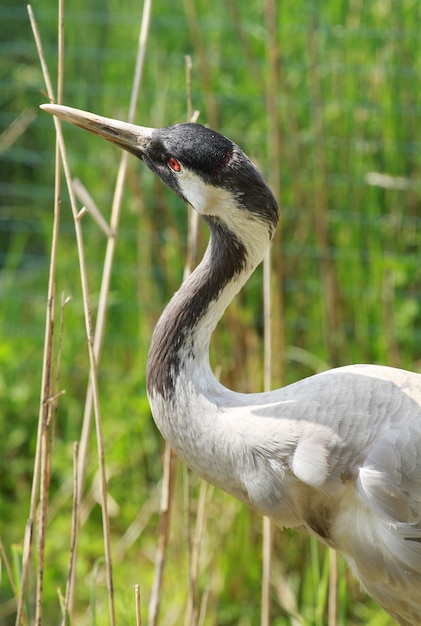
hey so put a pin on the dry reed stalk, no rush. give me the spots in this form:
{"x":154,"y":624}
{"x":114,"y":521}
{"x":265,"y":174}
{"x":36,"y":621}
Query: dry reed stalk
{"x":193,"y":544}
{"x":112,"y":238}
{"x":188,"y":531}
{"x":87,"y":201}
{"x":328,"y":278}
{"x":16,"y":129}
{"x":331,"y":295}
{"x":274,"y":154}
{"x":137,"y":605}
{"x":192,"y":216}
{"x":194,"y":608}
{"x":205,"y":72}
{"x":89,"y":335}
{"x":41,"y":454}
{"x":111,"y":232}
{"x":332,"y":613}
{"x":265,"y":615}
{"x":74,"y":535}
{"x":168,"y":480}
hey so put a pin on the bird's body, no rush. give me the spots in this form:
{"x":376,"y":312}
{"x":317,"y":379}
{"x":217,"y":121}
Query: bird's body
{"x":338,"y":454}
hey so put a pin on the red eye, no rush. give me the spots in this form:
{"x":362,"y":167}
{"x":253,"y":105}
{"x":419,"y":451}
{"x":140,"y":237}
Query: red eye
{"x":174,"y":164}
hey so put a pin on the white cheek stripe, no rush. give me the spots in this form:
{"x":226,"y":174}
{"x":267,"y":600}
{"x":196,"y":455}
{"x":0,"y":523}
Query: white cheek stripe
{"x":207,"y":199}
{"x":204,"y":198}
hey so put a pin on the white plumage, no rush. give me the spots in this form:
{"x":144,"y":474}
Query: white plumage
{"x":337,"y":455}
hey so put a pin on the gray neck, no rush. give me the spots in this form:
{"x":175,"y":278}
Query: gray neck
{"x":183,"y":332}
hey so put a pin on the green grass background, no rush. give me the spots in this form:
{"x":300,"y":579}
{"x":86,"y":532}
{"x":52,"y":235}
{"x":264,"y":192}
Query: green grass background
{"x":346,"y":279}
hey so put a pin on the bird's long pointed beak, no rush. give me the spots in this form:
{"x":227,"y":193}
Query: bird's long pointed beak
{"x":132,"y":138}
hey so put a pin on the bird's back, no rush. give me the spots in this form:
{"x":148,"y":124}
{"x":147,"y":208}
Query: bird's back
{"x":351,"y":474}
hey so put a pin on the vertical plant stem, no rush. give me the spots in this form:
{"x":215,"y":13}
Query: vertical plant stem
{"x":168,"y":479}
{"x":192,"y":216}
{"x":137,"y":605}
{"x":189,"y":541}
{"x":164,"y":528}
{"x":92,"y":361}
{"x":108,"y":260}
{"x":192,"y":613}
{"x":47,"y":359}
{"x":74,"y":534}
{"x":274,"y":153}
{"x":332,"y":619}
{"x":265,"y":616}
{"x":48,"y":423}
{"x":94,"y":377}
{"x":275,"y":158}
{"x":331,"y":302}
{"x":112,"y":238}
{"x":331,"y":296}
{"x":193,"y":546}
{"x":197,"y":38}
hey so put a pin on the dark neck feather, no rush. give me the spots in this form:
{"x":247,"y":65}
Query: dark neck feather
{"x":174,"y":337}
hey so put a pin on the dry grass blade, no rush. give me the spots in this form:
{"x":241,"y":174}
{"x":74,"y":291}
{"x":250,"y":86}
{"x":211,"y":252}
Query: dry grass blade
{"x":85,"y":197}
{"x":111,"y":231}
{"x":4,"y":560}
{"x":92,"y":360}
{"x":16,"y":129}
{"x":40,"y":463}
{"x":111,"y":242}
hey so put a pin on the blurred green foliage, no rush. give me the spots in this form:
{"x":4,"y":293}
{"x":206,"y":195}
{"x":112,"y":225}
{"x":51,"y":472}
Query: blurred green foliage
{"x":345,"y":264}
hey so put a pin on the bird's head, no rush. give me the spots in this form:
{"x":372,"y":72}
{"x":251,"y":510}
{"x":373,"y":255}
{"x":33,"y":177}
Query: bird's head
{"x":204,"y":168}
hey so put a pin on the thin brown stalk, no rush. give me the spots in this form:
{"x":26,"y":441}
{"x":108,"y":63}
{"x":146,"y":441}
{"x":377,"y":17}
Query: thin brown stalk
{"x":42,"y":513}
{"x":189,"y":540}
{"x":164,"y":528}
{"x":137,"y":605}
{"x":85,"y":197}
{"x":92,"y":361}
{"x":109,"y":256}
{"x":274,"y":149}
{"x":192,"y":216}
{"x":16,"y":129}
{"x":93,"y":375}
{"x":74,"y":534}
{"x":275,"y":156}
{"x":197,"y":38}
{"x":328,"y":277}
{"x":47,"y":365}
{"x":193,"y":545}
{"x":50,"y":409}
{"x":192,"y":613}
{"x":332,"y":619}
{"x":265,"y":616}
{"x":111,"y":241}
{"x":48,"y":433}
{"x":203,"y":607}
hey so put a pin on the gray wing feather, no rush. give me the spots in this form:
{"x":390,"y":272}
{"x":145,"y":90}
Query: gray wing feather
{"x":390,"y":479}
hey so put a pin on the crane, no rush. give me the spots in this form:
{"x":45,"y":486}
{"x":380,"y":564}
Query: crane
{"x":336,"y":455}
